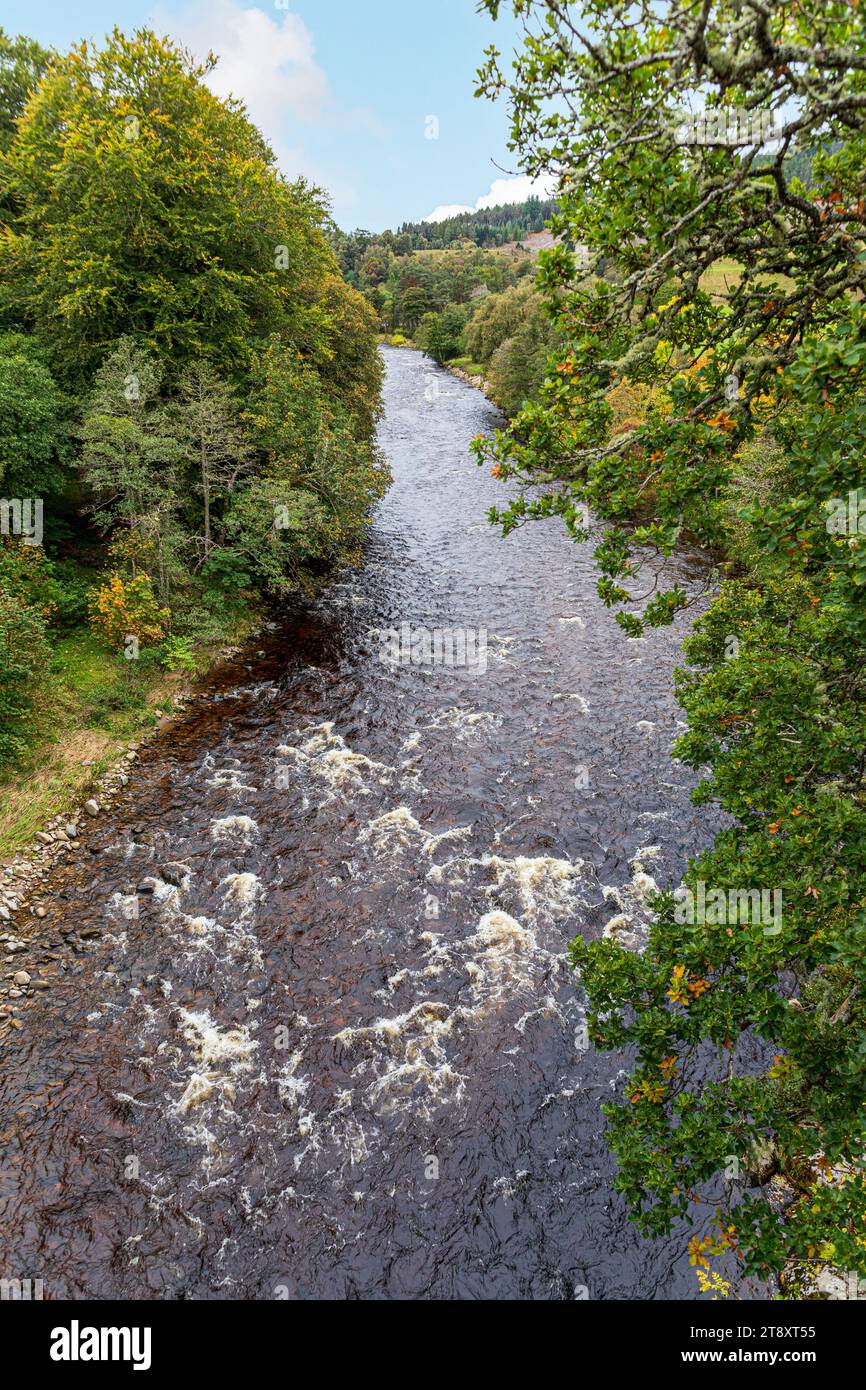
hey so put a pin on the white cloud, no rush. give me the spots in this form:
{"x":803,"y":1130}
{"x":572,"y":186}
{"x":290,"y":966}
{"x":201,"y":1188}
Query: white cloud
{"x":268,"y":62}
{"x":515,"y":190}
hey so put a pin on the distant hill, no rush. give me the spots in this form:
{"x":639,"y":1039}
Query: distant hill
{"x":514,"y":229}
{"x":799,"y":163}
{"x":510,"y":222}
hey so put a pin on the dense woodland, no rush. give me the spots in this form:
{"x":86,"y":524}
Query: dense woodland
{"x":187,"y":383}
{"x":496,"y":226}
{"x":475,"y":307}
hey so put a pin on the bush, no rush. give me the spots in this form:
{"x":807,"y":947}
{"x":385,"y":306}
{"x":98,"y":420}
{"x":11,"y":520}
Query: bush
{"x":123,"y":608}
{"x":177,"y":654}
{"x":70,"y":593}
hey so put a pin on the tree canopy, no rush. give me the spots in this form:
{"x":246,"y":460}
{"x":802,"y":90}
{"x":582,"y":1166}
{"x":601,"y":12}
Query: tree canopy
{"x":726,"y":305}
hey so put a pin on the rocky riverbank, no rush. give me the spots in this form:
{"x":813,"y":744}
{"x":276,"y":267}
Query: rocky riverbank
{"x":29,"y":958}
{"x":30,"y":955}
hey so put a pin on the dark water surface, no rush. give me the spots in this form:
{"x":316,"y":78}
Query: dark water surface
{"x":290,"y":1075}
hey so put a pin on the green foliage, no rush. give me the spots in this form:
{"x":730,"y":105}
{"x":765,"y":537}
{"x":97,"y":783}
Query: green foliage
{"x":441,"y":335}
{"x":306,"y":510}
{"x":748,"y":436}
{"x":131,"y":453}
{"x":157,"y":324}
{"x":519,"y":364}
{"x":221,"y":250}
{"x":214,"y":445}
{"x":404,"y":285}
{"x":178,"y":654}
{"x":33,"y":422}
{"x":22,"y":63}
{"x":350,"y":365}
{"x":69,"y":591}
{"x":24,"y":656}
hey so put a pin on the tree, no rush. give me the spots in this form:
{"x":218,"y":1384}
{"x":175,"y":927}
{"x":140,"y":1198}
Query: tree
{"x":33,"y":423}
{"x":120,"y":609}
{"x":23,"y":62}
{"x":729,"y":300}
{"x":415,"y":302}
{"x":130,"y":459}
{"x":351,"y":366}
{"x":147,"y":205}
{"x":307,"y":508}
{"x":441,"y":335}
{"x":214,"y":442}
{"x":497,"y":317}
{"x":24,"y":650}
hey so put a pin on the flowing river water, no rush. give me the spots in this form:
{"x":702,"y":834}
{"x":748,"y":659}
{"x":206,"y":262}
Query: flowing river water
{"x":339,"y":1051}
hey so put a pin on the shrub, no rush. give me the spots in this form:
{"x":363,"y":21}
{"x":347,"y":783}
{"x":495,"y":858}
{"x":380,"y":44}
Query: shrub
{"x":177,"y":654}
{"x":123,"y":608}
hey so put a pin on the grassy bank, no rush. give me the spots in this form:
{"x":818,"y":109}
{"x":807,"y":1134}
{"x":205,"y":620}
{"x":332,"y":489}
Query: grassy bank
{"x":94,"y":704}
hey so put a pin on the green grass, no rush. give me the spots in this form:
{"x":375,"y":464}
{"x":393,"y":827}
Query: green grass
{"x":94,"y":704}
{"x":106,"y":692}
{"x":466,"y":364}
{"x":723,"y":275}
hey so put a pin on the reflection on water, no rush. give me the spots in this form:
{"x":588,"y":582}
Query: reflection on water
{"x":338,"y":1051}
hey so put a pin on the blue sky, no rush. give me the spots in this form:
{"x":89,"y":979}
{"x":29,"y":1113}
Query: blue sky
{"x":343,"y":89}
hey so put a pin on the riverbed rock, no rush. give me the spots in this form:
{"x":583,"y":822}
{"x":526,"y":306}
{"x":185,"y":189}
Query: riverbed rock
{"x":175,"y":873}
{"x":21,"y":977}
{"x":92,"y":807}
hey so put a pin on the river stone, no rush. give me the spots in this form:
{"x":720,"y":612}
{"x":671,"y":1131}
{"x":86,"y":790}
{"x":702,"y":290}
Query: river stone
{"x":71,"y":830}
{"x":92,"y":807}
{"x":174,"y":873}
{"x":21,"y":977}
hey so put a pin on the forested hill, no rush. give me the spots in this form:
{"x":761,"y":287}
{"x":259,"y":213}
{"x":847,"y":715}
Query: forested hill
{"x":487,"y":227}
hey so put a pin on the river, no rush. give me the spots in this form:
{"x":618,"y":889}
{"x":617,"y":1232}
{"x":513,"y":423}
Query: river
{"x":320,"y":1038}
